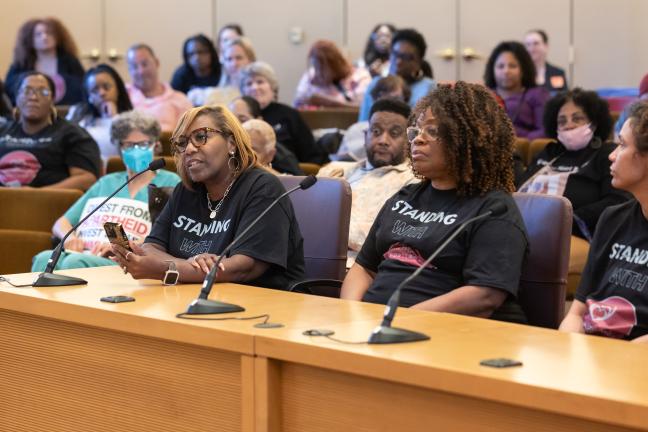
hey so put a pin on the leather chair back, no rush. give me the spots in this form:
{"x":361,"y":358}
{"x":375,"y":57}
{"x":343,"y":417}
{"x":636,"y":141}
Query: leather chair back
{"x":548,"y":221}
{"x":323,"y":212}
{"x":116,"y":164}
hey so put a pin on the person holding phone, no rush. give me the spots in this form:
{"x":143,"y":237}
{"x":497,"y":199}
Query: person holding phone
{"x":223,"y":190}
{"x":136,"y":136}
{"x":104,"y":96}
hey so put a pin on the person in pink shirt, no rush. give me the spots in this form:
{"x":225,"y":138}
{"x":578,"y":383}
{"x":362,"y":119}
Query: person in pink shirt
{"x":148,"y":94}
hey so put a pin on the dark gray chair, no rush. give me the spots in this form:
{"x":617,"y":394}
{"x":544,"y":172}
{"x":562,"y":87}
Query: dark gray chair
{"x":548,"y":221}
{"x":323,"y":213}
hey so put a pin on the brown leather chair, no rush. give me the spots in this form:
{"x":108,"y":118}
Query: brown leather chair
{"x":323,"y":213}
{"x":165,"y":140}
{"x":26,"y":222}
{"x":309,"y":168}
{"x":116,"y":164}
{"x":521,"y":146}
{"x":340,"y":118}
{"x":548,"y":221}
{"x":536,"y":146}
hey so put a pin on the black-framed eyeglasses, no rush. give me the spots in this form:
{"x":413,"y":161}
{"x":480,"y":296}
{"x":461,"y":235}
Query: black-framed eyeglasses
{"x":403,"y":56}
{"x":36,"y":91}
{"x":197,"y":137}
{"x":430,"y":131}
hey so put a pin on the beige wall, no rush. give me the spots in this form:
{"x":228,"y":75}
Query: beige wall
{"x":609,"y":36}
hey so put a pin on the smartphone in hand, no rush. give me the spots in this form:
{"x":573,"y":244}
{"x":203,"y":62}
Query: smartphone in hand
{"x":116,"y":235}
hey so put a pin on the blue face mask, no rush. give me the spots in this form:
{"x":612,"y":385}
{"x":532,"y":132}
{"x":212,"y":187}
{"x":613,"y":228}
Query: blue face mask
{"x":137,"y":158}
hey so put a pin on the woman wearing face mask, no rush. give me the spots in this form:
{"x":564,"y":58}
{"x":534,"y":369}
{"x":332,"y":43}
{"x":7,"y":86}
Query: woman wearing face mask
{"x":576,"y":165}
{"x":136,"y":135}
{"x":105,"y":96}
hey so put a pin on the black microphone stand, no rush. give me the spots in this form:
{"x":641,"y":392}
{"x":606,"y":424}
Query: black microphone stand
{"x":203,"y":306}
{"x":385,"y":333}
{"x":48,"y":278}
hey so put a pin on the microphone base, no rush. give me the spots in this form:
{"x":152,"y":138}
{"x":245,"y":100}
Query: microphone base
{"x":390,"y":335}
{"x":204,"y":307}
{"x":52,"y":280}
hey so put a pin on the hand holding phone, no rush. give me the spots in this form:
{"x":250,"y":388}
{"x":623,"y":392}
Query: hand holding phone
{"x":116,"y":235}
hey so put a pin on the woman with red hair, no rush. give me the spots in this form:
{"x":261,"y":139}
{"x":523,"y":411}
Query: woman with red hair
{"x":46,"y":46}
{"x":330,"y":80}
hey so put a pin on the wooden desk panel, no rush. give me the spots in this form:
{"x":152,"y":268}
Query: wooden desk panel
{"x":567,"y":382}
{"x":60,"y":376}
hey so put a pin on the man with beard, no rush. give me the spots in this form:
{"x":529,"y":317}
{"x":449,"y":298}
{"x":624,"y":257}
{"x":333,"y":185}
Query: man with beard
{"x":384,"y":172}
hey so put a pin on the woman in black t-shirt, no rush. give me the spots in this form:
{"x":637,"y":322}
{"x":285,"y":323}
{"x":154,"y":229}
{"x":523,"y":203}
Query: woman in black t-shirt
{"x":38,"y":149}
{"x":576,"y":165}
{"x":612,"y":298}
{"x":461,"y":146}
{"x":223,"y":189}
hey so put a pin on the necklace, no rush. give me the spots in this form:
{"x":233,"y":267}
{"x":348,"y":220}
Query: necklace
{"x":214,"y":211}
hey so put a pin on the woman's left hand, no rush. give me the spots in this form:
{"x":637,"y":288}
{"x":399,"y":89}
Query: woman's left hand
{"x":204,"y":262}
{"x":137,"y":262}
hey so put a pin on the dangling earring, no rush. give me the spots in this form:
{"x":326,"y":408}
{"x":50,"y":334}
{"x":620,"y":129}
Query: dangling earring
{"x":16,"y":114}
{"x":233,"y":161}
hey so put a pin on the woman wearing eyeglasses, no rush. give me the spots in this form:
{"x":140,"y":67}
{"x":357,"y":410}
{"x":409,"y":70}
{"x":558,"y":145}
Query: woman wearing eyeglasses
{"x":136,"y":135}
{"x":40,"y":150}
{"x":461,"y":147}
{"x":223,"y":189}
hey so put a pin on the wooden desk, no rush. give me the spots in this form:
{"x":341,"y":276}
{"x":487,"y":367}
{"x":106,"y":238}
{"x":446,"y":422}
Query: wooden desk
{"x":568,"y":382}
{"x":70,"y":362}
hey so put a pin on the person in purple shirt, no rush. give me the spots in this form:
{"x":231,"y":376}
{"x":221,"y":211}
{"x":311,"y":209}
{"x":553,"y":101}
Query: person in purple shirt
{"x":510,"y":73}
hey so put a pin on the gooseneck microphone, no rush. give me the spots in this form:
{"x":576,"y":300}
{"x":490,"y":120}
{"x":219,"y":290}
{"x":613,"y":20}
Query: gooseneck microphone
{"x":48,"y":278}
{"x":385,"y":333}
{"x":202,"y":305}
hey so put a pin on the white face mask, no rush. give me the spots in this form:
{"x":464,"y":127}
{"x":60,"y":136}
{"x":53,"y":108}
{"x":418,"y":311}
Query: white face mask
{"x":577,"y":138}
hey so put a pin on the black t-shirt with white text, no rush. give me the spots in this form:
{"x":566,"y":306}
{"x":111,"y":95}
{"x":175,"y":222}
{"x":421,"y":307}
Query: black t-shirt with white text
{"x":45,"y":157}
{"x":184,"y":228}
{"x":614,"y":285}
{"x":417,"y":219}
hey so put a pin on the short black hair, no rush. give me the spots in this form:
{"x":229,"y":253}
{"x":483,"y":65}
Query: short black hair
{"x":392,"y":105}
{"x":253,"y":106}
{"x":596,"y":109}
{"x":25,"y":75}
{"x":521,"y":55}
{"x":542,"y":33}
{"x":215,"y":67}
{"x":412,"y":36}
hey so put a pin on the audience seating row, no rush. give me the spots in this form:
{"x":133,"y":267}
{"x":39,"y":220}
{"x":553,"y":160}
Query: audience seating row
{"x":26,"y":223}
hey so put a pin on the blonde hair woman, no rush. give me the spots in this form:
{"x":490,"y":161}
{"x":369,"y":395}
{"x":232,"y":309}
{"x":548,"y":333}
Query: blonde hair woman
{"x":223,"y":189}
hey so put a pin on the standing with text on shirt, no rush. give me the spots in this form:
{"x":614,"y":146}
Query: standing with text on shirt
{"x":223,"y":189}
{"x":461,"y":145}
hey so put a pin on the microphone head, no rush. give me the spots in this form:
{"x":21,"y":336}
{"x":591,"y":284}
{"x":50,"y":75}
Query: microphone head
{"x":156,"y":165}
{"x":308,"y":182}
{"x":497,"y":209}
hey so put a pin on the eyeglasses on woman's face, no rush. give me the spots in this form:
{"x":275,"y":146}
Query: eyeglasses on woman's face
{"x":429,"y":132}
{"x":197,"y":137}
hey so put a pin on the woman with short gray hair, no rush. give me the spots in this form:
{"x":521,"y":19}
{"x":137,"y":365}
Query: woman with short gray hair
{"x":137,"y":135}
{"x":259,"y":81}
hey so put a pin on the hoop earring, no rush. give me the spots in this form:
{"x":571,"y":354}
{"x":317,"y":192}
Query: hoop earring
{"x":16,"y":114}
{"x":54,"y":114}
{"x":233,"y":161}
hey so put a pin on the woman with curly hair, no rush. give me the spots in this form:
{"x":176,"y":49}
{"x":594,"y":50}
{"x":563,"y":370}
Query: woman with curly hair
{"x":46,"y":46}
{"x":510,"y":73}
{"x":461,"y":145}
{"x":611,"y":298}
